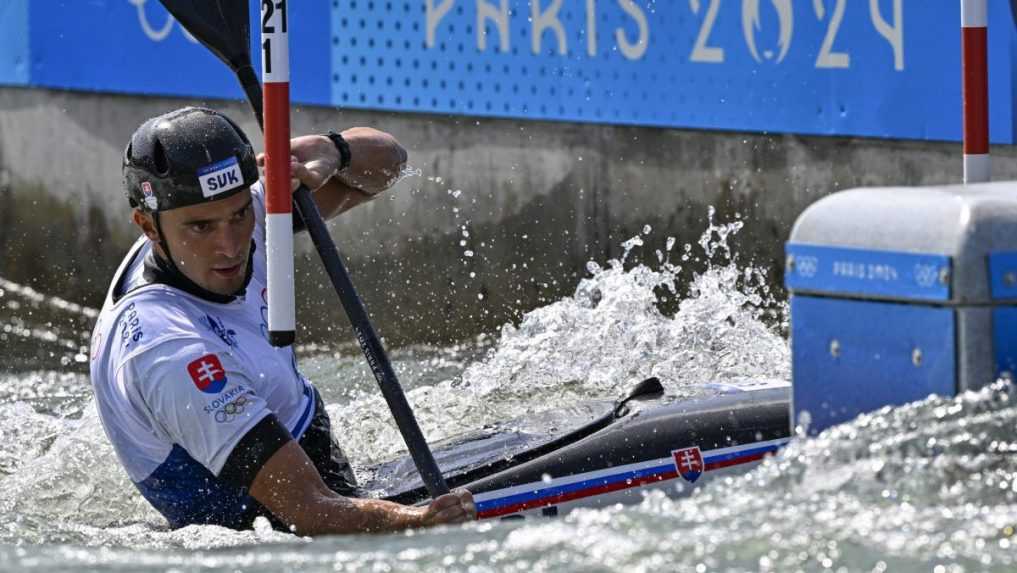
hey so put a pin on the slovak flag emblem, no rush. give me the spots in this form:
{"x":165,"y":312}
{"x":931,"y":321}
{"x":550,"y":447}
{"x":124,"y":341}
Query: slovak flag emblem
{"x":208,"y":374}
{"x":689,"y":462}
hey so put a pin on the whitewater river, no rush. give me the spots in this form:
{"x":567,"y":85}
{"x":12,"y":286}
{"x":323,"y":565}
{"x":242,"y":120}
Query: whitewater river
{"x":927,"y":487}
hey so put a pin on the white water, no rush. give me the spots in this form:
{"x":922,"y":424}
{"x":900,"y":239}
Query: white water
{"x":593,"y":345}
{"x":927,"y":487}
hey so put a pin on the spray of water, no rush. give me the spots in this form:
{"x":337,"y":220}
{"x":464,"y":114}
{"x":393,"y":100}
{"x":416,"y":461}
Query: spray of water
{"x":594,"y":345}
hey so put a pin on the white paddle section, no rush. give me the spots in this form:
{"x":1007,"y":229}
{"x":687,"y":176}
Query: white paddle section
{"x":275,"y":68}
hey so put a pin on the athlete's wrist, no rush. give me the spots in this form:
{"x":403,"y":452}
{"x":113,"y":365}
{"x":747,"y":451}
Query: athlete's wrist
{"x":343,"y":148}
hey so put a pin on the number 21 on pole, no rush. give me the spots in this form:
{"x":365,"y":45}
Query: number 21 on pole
{"x":275,"y":68}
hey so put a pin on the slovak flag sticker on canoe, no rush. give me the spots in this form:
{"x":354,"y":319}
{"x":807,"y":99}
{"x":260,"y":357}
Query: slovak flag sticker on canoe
{"x":689,"y":462}
{"x":208,"y":374}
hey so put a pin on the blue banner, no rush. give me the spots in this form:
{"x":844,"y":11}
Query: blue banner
{"x":14,"y":42}
{"x":878,"y":68}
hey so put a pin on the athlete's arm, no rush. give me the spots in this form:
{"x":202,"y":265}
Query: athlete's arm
{"x":376,"y":162}
{"x":198,"y":396}
{"x":291,"y":488}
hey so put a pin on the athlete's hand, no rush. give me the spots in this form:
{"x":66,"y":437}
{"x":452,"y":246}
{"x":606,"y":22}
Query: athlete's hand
{"x":376,"y":160}
{"x":313,"y":160}
{"x":455,"y":507}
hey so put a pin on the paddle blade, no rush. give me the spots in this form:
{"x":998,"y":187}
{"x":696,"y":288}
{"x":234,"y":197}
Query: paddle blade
{"x":223,"y":26}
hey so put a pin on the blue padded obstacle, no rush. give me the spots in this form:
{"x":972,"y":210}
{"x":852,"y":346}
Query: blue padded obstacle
{"x":898,"y":293}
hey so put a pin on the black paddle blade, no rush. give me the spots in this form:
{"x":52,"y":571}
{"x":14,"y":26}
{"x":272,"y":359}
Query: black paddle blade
{"x":649,"y":388}
{"x":224,"y":27}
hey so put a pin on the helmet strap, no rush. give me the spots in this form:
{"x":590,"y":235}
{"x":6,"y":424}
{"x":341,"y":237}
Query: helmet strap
{"x":162,"y":241}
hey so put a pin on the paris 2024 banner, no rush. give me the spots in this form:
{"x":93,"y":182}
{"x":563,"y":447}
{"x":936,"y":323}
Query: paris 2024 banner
{"x":877,"y":68}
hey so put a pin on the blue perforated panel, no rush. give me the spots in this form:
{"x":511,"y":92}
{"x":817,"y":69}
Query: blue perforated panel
{"x":811,"y":67}
{"x":815,"y":67}
{"x":851,"y":357}
{"x":384,"y":56}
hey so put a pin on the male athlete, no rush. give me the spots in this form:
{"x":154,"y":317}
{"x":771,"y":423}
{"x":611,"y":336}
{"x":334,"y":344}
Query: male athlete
{"x":212,"y":423}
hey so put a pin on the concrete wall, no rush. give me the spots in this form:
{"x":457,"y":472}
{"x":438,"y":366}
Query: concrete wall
{"x":537,"y":199}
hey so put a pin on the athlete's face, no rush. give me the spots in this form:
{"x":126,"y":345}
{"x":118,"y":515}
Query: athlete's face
{"x":211,"y":242}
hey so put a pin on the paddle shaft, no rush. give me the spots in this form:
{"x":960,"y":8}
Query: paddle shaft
{"x":370,"y":344}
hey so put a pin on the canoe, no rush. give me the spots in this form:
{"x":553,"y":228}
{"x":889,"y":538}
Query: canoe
{"x":602,"y":453}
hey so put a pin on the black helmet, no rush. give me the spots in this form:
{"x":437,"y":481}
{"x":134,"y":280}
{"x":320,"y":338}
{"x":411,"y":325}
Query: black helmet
{"x":185,"y":157}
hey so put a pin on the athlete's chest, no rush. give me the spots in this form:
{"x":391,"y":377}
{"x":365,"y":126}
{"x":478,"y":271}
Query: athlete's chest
{"x":243,"y":328}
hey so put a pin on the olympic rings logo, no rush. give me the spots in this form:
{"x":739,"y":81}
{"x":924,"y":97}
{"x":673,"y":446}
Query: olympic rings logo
{"x":230,"y":411}
{"x":153,"y":33}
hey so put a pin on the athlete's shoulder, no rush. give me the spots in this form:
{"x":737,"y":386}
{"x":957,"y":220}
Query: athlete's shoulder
{"x":174,"y":356}
{"x":153,"y":316}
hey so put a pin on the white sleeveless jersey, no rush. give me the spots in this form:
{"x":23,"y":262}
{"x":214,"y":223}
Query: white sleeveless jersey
{"x":179,"y":380}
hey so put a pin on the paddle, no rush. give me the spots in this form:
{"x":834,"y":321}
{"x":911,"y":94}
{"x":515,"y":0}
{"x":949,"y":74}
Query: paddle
{"x":650,"y":388}
{"x":223,"y":26}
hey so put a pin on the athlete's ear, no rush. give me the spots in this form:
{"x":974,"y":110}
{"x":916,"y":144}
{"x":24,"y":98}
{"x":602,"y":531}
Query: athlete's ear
{"x":145,"y":222}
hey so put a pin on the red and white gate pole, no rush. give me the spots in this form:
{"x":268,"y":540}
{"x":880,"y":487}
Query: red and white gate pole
{"x":975,"y":64}
{"x":275,"y":68}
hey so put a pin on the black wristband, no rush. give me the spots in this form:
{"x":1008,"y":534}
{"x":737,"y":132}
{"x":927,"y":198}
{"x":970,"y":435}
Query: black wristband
{"x":345,"y":156}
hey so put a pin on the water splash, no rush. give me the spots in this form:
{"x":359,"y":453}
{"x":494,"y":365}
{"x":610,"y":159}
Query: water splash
{"x":593,"y":346}
{"x":407,"y":172}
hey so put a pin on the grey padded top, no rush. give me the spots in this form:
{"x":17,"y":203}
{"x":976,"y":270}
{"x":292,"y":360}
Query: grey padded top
{"x":964,"y":222}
